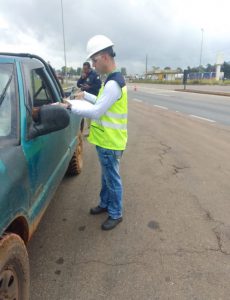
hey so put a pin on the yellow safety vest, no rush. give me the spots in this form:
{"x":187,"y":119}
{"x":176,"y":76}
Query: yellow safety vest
{"x":110,"y":131}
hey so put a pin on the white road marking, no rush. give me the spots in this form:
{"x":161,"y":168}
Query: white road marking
{"x":205,"y":119}
{"x":162,"y":95}
{"x":166,"y":108}
{"x":137,"y":100}
{"x":152,"y":89}
{"x":162,"y":107}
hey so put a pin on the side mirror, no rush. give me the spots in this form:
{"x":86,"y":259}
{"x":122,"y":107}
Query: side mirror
{"x":49,"y":118}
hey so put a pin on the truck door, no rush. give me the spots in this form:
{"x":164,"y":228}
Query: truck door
{"x":14,"y":192}
{"x":47,"y":155}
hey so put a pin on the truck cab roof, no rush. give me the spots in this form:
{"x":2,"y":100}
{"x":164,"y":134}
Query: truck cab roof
{"x":22,"y":57}
{"x":37,"y":62}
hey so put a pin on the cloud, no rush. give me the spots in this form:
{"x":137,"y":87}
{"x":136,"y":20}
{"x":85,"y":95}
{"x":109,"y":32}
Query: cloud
{"x":169,"y":31}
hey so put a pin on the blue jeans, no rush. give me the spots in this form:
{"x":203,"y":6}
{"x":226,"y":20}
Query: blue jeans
{"x":111,"y":185}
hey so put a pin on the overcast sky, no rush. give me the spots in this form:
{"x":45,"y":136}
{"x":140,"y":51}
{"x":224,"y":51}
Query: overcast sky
{"x":169,"y":32}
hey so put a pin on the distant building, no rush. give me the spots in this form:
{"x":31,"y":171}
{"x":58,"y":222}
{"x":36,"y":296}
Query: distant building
{"x":168,"y":75}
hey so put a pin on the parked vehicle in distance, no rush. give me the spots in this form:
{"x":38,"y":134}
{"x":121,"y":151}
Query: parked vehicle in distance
{"x":39,"y":143}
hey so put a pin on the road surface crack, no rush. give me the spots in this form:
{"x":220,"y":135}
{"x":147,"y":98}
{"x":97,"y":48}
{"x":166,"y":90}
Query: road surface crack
{"x":164,"y":152}
{"x":222,"y":236}
{"x":176,"y":169}
{"x":179,"y":252}
{"x":221,"y":231}
{"x":111,"y":264}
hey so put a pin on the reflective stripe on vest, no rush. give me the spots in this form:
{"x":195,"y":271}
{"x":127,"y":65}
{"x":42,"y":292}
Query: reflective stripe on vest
{"x":110,"y":125}
{"x":115,"y":115}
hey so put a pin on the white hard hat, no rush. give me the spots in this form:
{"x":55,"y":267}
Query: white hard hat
{"x":96,"y":44}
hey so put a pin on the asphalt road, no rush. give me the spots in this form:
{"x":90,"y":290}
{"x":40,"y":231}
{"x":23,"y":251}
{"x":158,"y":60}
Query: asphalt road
{"x":211,"y":107}
{"x":174,"y":242}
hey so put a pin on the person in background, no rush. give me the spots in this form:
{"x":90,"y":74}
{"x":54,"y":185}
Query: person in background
{"x":89,"y":80}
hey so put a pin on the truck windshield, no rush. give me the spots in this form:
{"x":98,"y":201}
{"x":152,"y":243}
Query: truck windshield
{"x":8,"y":105}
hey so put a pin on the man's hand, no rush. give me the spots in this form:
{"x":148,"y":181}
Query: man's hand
{"x":79,"y":96}
{"x":64,"y":104}
{"x":86,"y":86}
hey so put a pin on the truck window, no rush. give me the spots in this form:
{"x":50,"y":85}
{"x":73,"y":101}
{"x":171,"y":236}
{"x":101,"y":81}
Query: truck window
{"x":40,"y":90}
{"x":37,"y":86}
{"x":8,"y":103}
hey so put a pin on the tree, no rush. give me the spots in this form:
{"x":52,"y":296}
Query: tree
{"x":210,"y":68}
{"x":123,"y":71}
{"x":64,"y":70}
{"x":196,"y":69}
{"x":155,"y":68}
{"x":72,"y":72}
{"x":167,"y":68}
{"x":226,"y":69}
{"x":79,"y":70}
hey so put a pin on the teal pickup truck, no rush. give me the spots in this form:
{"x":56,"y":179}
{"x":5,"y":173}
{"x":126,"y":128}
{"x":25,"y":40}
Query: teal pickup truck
{"x":39,"y":144}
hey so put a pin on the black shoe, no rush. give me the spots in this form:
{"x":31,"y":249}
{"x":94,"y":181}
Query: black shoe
{"x":97,"y":210}
{"x":110,"y":223}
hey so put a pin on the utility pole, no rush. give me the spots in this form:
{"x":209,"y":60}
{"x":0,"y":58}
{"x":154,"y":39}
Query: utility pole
{"x":146,"y":66}
{"x":63,"y":32}
{"x":201,"y":46}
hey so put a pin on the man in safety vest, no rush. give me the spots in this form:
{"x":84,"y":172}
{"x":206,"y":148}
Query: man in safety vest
{"x":108,"y":130}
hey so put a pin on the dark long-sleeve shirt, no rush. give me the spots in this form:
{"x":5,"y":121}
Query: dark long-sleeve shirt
{"x":92,"y":81}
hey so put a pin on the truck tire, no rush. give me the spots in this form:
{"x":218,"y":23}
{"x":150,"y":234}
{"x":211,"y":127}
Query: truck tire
{"x":14,"y":268}
{"x":76,"y":163}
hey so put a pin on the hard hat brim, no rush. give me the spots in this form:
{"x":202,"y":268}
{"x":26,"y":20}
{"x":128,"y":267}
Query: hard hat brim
{"x":95,"y":52}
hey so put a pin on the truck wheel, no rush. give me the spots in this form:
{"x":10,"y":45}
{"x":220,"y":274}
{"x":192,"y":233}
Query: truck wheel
{"x":14,"y":268}
{"x":76,"y":163}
